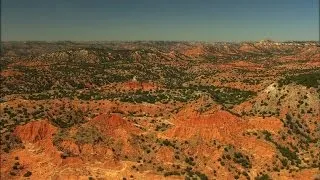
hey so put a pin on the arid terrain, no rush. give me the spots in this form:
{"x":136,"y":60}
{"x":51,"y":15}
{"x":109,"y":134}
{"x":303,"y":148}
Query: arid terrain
{"x":160,"y":110}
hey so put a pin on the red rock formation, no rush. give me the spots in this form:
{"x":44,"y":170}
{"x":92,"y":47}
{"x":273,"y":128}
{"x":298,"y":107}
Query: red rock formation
{"x":115,"y":126}
{"x":165,"y":154}
{"x":71,"y":147}
{"x":220,"y":125}
{"x":135,"y":85}
{"x":109,"y":124}
{"x":194,"y":51}
{"x":35,"y":131}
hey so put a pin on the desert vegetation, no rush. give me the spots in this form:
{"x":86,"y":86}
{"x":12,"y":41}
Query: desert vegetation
{"x":152,"y":110}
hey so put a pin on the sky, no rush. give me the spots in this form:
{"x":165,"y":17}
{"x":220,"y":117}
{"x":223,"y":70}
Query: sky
{"x":166,"y":20}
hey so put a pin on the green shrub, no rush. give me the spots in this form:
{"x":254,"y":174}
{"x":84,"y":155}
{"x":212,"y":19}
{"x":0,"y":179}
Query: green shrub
{"x":89,"y":135}
{"x":263,"y":177}
{"x":286,"y":152}
{"x":27,"y":174}
{"x":308,"y":80}
{"x":68,"y":119}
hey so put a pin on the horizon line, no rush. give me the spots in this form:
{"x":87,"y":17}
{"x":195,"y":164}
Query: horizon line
{"x":196,"y":41}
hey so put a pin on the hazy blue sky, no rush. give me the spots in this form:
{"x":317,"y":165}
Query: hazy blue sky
{"x":202,"y":20}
